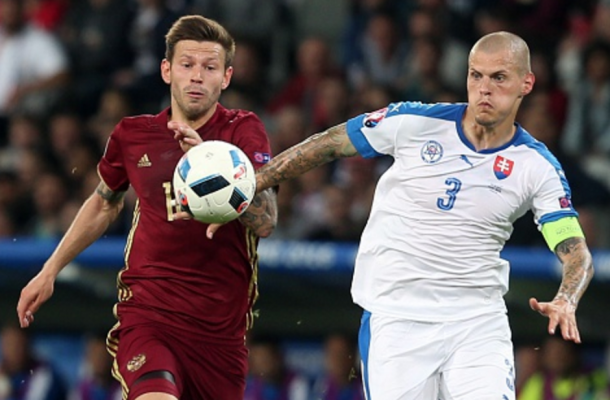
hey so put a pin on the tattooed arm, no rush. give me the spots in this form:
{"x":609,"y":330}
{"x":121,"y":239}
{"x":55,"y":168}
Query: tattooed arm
{"x":577,"y":273}
{"x":92,"y":220}
{"x":261,"y":215}
{"x":317,"y":150}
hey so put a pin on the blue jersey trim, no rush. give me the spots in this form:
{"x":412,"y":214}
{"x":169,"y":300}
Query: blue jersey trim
{"x":358,"y":139}
{"x":445,"y":111}
{"x":557,"y":215}
{"x":527,"y":140}
{"x":515,"y":139}
{"x":364,"y":343}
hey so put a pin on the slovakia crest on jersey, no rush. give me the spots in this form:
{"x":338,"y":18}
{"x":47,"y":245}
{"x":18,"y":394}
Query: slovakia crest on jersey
{"x":431,"y":152}
{"x":372,"y":119}
{"x":503,"y":167}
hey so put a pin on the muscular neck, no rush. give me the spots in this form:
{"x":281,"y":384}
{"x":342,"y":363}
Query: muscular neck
{"x":488,"y":137}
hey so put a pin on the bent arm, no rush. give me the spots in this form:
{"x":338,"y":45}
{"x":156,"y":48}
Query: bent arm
{"x":92,"y":220}
{"x":578,"y":270}
{"x":261,"y":215}
{"x":314,"y":151}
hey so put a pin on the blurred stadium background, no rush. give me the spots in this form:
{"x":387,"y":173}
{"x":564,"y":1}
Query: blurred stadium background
{"x":302,"y":65}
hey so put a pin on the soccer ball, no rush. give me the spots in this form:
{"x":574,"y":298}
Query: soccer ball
{"x":214,"y":182}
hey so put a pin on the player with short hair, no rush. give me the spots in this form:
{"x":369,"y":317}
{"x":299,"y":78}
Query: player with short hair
{"x":185,"y":302}
{"x":428,"y":272}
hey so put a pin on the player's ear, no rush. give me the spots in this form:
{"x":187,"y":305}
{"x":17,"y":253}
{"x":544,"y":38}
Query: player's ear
{"x":165,"y":69}
{"x":528,"y":84}
{"x":226,"y":80}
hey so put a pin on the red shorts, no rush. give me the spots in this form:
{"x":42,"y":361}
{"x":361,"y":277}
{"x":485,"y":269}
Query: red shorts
{"x":201,"y":371}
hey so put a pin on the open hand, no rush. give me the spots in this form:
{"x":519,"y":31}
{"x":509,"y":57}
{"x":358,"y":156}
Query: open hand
{"x":561,"y":313}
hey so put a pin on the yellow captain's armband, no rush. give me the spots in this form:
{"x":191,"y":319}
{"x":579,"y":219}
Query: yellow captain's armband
{"x":557,"y":231}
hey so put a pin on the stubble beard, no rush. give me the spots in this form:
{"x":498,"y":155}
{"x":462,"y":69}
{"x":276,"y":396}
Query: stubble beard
{"x":485,"y":122}
{"x":192,"y":109}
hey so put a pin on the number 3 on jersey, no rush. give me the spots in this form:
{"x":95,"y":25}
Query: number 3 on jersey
{"x":454,"y":187}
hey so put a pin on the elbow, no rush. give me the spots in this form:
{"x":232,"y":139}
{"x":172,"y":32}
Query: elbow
{"x":265,"y":231}
{"x":110,"y":211}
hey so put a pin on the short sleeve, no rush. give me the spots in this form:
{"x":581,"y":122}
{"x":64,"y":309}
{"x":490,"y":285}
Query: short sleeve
{"x":252,"y":138}
{"x":552,"y":200}
{"x":374,"y":134}
{"x":383,"y":131}
{"x":111,"y":167}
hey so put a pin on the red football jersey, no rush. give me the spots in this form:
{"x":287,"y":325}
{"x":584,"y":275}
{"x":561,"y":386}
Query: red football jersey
{"x":173,"y":274}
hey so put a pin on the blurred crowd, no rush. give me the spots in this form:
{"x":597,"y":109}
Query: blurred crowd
{"x":71,"y":69}
{"x":553,"y":369}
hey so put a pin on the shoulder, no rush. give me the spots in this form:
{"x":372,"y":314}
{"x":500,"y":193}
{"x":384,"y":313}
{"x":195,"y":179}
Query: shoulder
{"x":446,"y":111}
{"x":416,"y":112}
{"x":241,"y":122}
{"x":136,"y":123}
{"x":527,"y":144}
{"x":238,"y":116}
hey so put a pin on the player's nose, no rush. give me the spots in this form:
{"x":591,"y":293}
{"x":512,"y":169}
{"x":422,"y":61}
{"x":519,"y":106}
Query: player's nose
{"x":197,"y":74}
{"x":484,"y":85}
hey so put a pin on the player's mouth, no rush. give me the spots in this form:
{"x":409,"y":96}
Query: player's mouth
{"x":195,"y":94}
{"x":485,"y":105}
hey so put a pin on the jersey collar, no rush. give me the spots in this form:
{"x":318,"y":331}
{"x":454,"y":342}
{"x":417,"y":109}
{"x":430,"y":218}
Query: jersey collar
{"x":516,"y":137}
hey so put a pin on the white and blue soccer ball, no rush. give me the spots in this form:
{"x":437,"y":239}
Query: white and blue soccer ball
{"x":214,"y":182}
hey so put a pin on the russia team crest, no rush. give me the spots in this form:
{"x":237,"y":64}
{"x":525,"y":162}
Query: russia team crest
{"x":503,"y":167}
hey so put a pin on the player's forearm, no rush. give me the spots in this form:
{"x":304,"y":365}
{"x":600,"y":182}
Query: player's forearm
{"x":317,"y":150}
{"x":90,"y":223}
{"x":261,"y":215}
{"x":577,"y":269}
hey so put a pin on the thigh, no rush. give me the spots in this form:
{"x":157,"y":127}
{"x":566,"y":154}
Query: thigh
{"x":481,"y":362}
{"x":216,"y":372}
{"x":142,"y":350}
{"x":400,"y":358}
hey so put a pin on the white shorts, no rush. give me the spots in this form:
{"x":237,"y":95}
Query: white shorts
{"x":461,"y":360}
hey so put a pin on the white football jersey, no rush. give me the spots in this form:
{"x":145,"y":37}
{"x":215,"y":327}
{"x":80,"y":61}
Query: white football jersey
{"x":443,"y":211}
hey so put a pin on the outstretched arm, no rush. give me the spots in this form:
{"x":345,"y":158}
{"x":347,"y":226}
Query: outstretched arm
{"x":577,"y":273}
{"x":92,"y":220}
{"x":261,"y":215}
{"x":314,"y":151}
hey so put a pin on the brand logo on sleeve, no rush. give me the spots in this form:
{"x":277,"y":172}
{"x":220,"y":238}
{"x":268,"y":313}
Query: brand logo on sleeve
{"x":262,"y":158}
{"x":431,"y":151}
{"x":371,"y":120}
{"x":564,"y":202}
{"x":503,"y":167}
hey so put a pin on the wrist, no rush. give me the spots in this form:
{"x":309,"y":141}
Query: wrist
{"x":49,"y":271}
{"x":566,"y":298}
